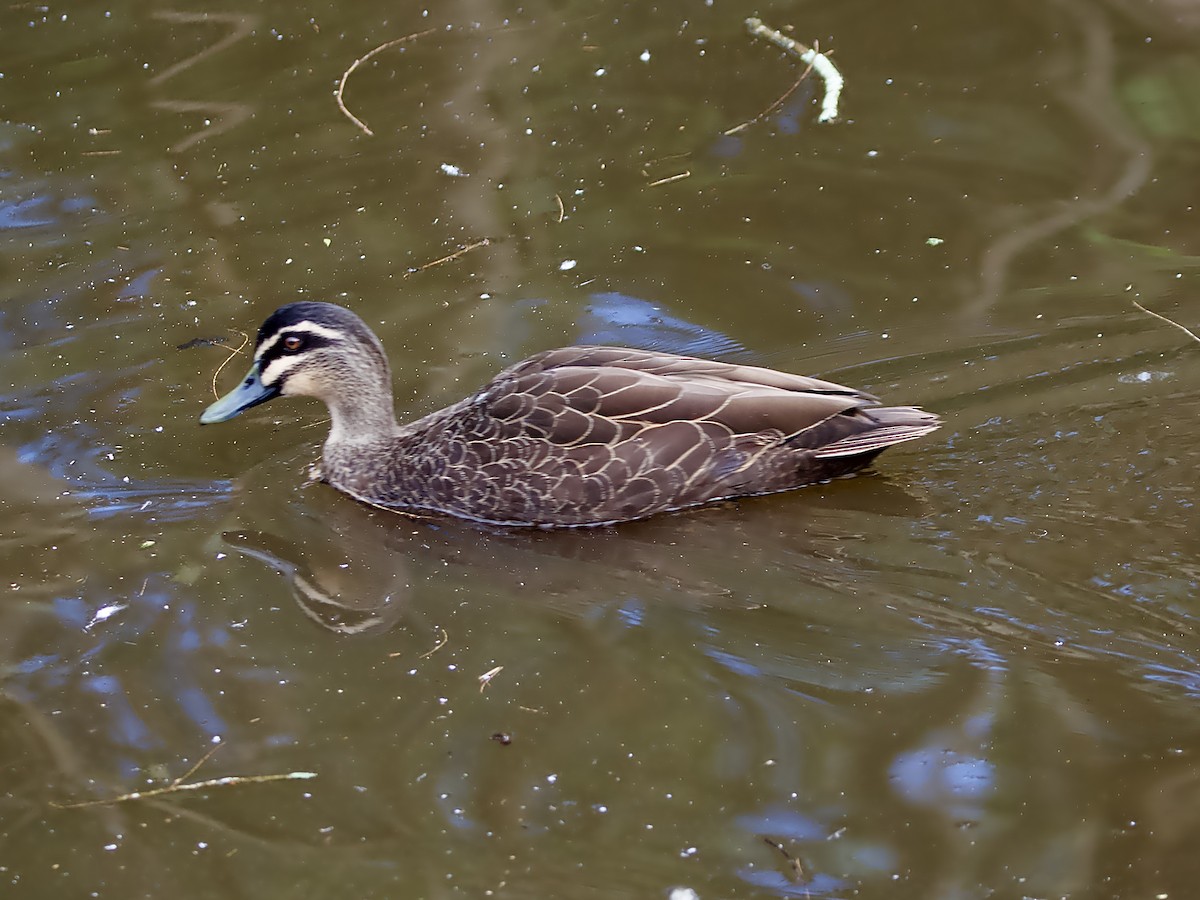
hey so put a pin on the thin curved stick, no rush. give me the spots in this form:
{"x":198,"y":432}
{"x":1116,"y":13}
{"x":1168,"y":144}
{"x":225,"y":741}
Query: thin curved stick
{"x":341,"y":88}
{"x":1162,"y":318}
{"x":770,"y":109}
{"x":194,"y":769}
{"x":445,"y":639}
{"x":245,"y":341}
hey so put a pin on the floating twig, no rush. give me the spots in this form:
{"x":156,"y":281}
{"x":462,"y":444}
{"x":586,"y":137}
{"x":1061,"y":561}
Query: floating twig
{"x":562,"y":211}
{"x":482,"y":242}
{"x":192,"y":771}
{"x":670,"y":178}
{"x":818,"y":61}
{"x":245,"y":341}
{"x":486,"y":678}
{"x":341,"y":88}
{"x":202,"y":342}
{"x":176,"y":788}
{"x":774,"y":106}
{"x":794,"y":863}
{"x":1182,"y":328}
{"x":440,"y":644}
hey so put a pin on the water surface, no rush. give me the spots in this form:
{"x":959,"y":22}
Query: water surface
{"x":970,"y":673}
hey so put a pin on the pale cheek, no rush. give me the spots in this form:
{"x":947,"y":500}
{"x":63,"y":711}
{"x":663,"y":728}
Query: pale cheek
{"x":299,"y":385}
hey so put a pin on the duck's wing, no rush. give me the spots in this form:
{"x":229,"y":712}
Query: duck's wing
{"x":600,"y":394}
{"x":598,"y":434}
{"x":681,"y":367}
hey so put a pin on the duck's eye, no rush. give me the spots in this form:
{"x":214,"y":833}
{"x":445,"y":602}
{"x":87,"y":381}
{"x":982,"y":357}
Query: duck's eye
{"x":292,"y":343}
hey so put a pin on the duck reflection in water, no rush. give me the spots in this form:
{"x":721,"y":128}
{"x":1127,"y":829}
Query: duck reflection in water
{"x":357,"y":570}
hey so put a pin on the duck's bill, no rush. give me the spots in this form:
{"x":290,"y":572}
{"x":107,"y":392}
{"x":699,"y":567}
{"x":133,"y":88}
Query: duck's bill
{"x":250,"y":392}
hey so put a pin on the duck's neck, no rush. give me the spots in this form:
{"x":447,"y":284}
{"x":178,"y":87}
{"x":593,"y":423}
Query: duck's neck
{"x":362,"y":414}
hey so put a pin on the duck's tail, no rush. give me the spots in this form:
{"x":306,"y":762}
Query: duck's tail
{"x":891,"y":425}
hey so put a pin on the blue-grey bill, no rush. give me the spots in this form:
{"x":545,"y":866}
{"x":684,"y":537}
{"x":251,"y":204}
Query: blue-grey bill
{"x":250,"y":392}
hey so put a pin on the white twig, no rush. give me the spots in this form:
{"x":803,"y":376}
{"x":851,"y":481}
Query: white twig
{"x":177,"y":788}
{"x":821,"y":64}
{"x":1162,"y":318}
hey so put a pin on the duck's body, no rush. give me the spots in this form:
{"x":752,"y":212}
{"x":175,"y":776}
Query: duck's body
{"x":569,"y":437}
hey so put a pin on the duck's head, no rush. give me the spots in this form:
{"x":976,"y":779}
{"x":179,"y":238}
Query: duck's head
{"x":311,"y":350}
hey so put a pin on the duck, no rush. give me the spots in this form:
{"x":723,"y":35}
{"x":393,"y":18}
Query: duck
{"x":571,"y":437}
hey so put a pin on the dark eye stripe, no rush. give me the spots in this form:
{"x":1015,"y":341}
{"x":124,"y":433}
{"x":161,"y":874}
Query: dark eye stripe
{"x":309,"y":341}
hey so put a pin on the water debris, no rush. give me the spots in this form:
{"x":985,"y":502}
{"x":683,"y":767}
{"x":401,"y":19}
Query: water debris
{"x":770,"y":109}
{"x":486,"y":678}
{"x":442,"y":641}
{"x":341,"y":88}
{"x":452,"y":170}
{"x":1144,"y":377}
{"x":503,"y":738}
{"x":105,"y":613}
{"x":482,"y":242}
{"x":1162,"y":318}
{"x":795,"y":868}
{"x":217,"y":745}
{"x":202,"y":342}
{"x":670,"y":178}
{"x":820,"y":63}
{"x":177,"y":788}
{"x":225,"y":362}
